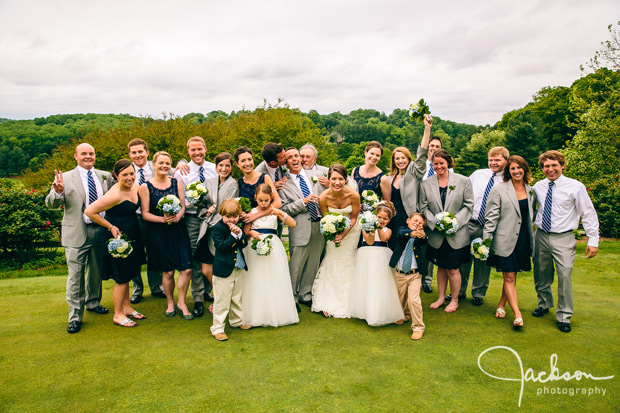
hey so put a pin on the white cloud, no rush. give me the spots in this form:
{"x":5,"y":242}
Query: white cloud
{"x":472,"y":61}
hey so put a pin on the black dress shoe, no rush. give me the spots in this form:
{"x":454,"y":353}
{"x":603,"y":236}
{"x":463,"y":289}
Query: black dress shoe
{"x":159,"y":294}
{"x":477,"y":301}
{"x":306,"y":303}
{"x":208,"y":297}
{"x":99,"y":310}
{"x":199,"y":309}
{"x":539,"y":312}
{"x":449,"y":297}
{"x":135,"y":299}
{"x":74,"y":327}
{"x":427,"y":289}
{"x":298,"y":308}
{"x":564,"y":327}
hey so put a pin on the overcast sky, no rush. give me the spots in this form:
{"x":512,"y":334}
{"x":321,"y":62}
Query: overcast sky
{"x":472,"y":61}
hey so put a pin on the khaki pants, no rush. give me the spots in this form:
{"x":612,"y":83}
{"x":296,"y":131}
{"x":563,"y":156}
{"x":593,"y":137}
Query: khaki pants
{"x":409,"y":293}
{"x":227,"y":293}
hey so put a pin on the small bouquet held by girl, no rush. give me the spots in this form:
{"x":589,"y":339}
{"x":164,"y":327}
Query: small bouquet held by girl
{"x":246,"y":205}
{"x":481,"y":249}
{"x":369,"y":200}
{"x":120,"y":247}
{"x":368,"y":221}
{"x":195,"y":193}
{"x":169,"y":205}
{"x":332,"y":224}
{"x":446,"y":223}
{"x":263,"y":246}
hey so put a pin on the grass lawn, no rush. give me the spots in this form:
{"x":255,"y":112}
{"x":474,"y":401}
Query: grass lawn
{"x":319,"y":364}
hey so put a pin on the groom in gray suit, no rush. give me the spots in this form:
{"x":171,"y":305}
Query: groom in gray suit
{"x":77,"y":189}
{"x":300,"y":199}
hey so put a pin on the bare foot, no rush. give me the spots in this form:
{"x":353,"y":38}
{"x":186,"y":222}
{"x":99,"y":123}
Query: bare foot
{"x":451,"y":307}
{"x":326,"y":314}
{"x":211,"y":308}
{"x":437,"y":303}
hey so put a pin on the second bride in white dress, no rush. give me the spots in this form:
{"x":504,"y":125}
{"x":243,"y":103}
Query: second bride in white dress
{"x":330,"y":292}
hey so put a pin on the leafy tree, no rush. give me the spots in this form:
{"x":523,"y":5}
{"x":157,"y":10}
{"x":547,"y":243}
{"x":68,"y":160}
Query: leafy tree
{"x":609,"y":55}
{"x":475,"y":154}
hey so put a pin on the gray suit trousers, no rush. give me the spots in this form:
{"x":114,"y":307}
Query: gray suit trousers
{"x":482,"y":271}
{"x":84,"y":280}
{"x":558,"y":249}
{"x":198,"y":280}
{"x":304,"y":264}
{"x":154,"y":277}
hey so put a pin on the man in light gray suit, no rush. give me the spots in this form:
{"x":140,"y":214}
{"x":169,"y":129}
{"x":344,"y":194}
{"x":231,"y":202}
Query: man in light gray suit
{"x":77,"y":189}
{"x":138,"y":153}
{"x":300,"y":199}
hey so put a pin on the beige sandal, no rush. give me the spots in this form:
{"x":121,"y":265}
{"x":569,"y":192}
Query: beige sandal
{"x":518,"y":323}
{"x":500,"y":313}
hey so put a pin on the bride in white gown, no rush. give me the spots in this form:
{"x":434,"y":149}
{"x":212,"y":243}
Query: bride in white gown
{"x":330,"y":292}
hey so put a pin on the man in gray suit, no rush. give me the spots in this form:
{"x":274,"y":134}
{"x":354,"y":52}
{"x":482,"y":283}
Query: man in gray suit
{"x":77,"y":189}
{"x":139,"y":153}
{"x":300,"y":199}
{"x":274,"y":158}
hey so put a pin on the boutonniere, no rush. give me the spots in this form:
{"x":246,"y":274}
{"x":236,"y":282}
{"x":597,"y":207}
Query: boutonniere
{"x":314,"y":179}
{"x":452,"y":187}
{"x":284,"y":170}
{"x":531,"y":192}
{"x":104,"y":177}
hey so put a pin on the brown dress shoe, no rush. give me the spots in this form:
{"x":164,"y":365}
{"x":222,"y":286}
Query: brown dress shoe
{"x":417,"y":335}
{"x":221,"y":337}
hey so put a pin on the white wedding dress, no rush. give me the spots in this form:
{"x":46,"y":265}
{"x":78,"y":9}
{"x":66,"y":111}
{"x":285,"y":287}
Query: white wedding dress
{"x":373,"y":293}
{"x":330,"y":292}
{"x":267,"y":294}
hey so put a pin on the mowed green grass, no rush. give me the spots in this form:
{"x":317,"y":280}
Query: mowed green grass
{"x":318,"y":364}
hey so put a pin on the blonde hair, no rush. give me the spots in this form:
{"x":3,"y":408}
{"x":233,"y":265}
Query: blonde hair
{"x":404,"y":151}
{"x":419,"y":214}
{"x":161,"y":153}
{"x":196,"y":139}
{"x":229,"y":208}
{"x":386,"y":206}
{"x":499,"y":151}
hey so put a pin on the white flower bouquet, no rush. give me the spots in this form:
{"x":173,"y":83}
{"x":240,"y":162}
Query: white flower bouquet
{"x":169,"y":205}
{"x":368,"y":221}
{"x":263,"y":246}
{"x":446,"y":223}
{"x":332,"y":224}
{"x":369,"y":200}
{"x":119,"y":247}
{"x":418,"y":110}
{"x":481,"y":249}
{"x":195,"y":193}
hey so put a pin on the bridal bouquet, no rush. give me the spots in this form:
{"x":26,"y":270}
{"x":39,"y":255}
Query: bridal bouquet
{"x":169,"y":205}
{"x":369,"y":200}
{"x":332,"y":224}
{"x":195,"y":193}
{"x":418,"y":110}
{"x":263,"y":246}
{"x":368,"y":221}
{"x":481,"y":249}
{"x":446,"y":223}
{"x":119,"y":247}
{"x":246,"y":206}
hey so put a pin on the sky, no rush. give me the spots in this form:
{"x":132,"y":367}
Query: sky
{"x":472,"y":61}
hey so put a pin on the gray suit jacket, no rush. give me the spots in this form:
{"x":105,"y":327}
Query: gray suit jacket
{"x":410,"y":181}
{"x":73,"y":232}
{"x":293,"y":204}
{"x":459,"y":201}
{"x":320,"y":170}
{"x":228,"y":189}
{"x":262,"y":168}
{"x":503,"y":218}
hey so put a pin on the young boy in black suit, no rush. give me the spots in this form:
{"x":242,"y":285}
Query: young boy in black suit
{"x":228,"y":262}
{"x":405,"y":261}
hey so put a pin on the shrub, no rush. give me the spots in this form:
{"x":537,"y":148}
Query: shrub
{"x":27,"y":227}
{"x":605,"y":194}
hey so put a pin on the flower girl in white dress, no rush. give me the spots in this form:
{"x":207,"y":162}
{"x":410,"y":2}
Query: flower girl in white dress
{"x":373,"y":294}
{"x":267,"y":293}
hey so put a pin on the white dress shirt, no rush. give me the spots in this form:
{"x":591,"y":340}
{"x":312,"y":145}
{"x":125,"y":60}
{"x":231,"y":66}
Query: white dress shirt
{"x":148,"y":175}
{"x":303,"y":176}
{"x":570,"y":201}
{"x":192,"y":176}
{"x":479,"y":181}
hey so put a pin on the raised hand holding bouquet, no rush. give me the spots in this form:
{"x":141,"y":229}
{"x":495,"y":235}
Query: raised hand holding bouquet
{"x":119,"y":247}
{"x":446,"y":223}
{"x":481,"y":249}
{"x":332,"y":224}
{"x":169,"y":205}
{"x":369,"y":200}
{"x":418,"y":110}
{"x":195,"y":193}
{"x":368,"y":221}
{"x":263,"y":246}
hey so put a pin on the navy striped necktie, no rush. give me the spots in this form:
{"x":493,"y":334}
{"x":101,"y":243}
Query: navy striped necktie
{"x":141,"y":173}
{"x":305,"y":192}
{"x":201,"y":175}
{"x":546,"y":220}
{"x":408,"y":258}
{"x":431,"y":171}
{"x":92,"y":188}
{"x":483,"y":207}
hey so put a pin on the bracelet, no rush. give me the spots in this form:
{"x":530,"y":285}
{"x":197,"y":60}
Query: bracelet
{"x":284,"y":217}
{"x":110,"y":229}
